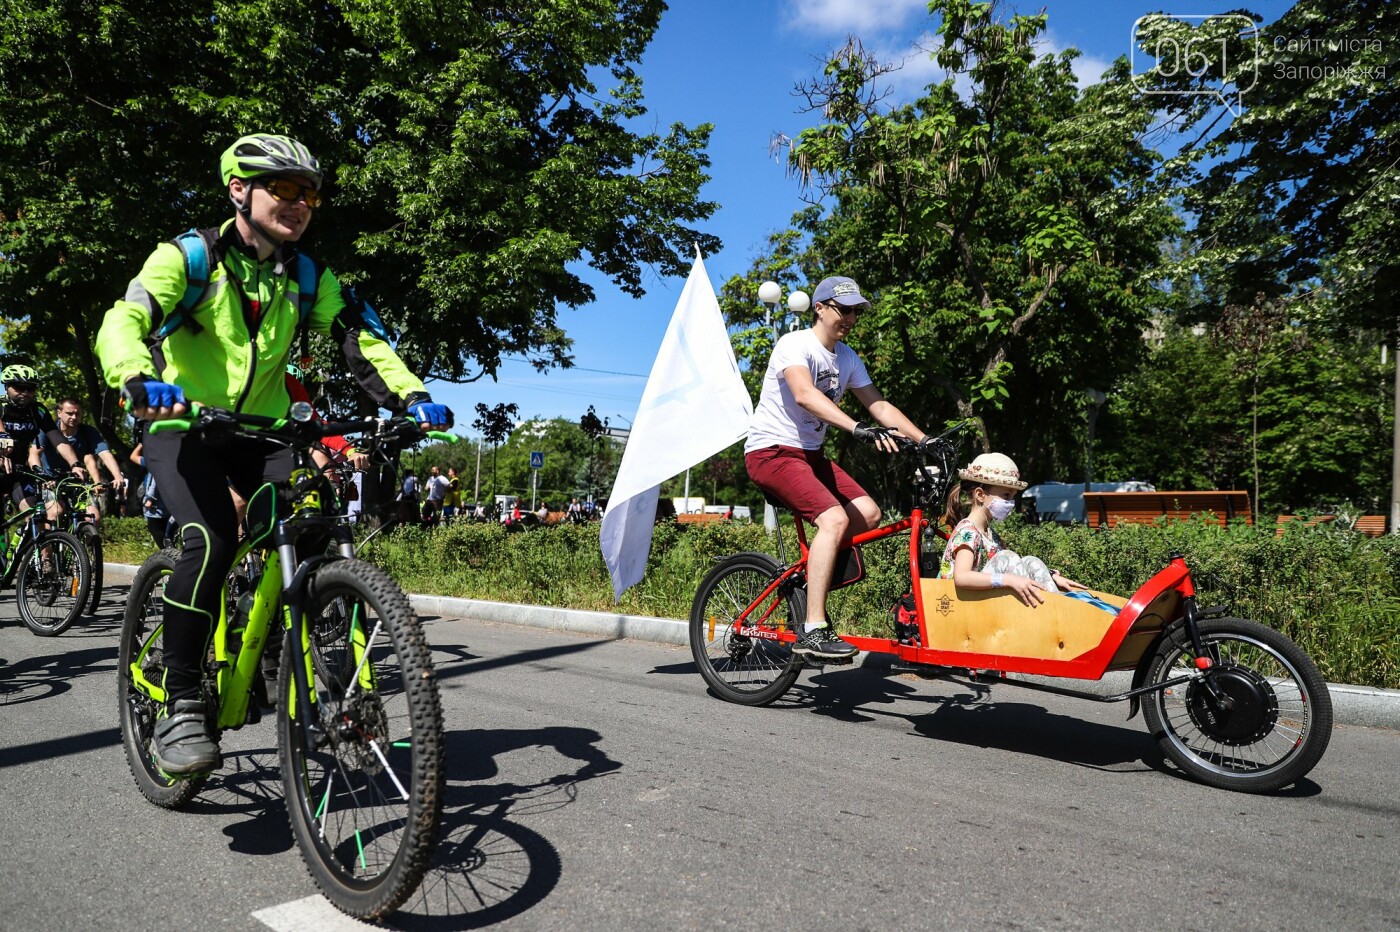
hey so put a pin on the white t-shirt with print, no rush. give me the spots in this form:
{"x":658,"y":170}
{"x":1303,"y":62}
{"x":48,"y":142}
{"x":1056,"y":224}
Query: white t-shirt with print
{"x":779,"y":420}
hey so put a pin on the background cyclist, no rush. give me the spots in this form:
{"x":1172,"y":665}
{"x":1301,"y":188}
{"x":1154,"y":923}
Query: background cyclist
{"x":236,"y":358}
{"x":86,"y":441}
{"x":25,"y":420}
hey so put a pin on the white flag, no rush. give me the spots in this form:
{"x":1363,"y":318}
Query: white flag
{"x":694,"y":406}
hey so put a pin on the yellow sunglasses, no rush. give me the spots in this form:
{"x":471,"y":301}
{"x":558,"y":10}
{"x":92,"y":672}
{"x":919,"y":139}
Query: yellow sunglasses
{"x":285,"y":190}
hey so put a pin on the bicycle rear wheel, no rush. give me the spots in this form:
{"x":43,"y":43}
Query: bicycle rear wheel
{"x":52,"y":583}
{"x":141,"y":644}
{"x":91,"y":539}
{"x":365,"y":793}
{"x":745,"y":668}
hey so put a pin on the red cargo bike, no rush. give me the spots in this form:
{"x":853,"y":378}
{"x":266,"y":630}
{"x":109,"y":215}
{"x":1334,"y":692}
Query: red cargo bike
{"x":1233,"y":703}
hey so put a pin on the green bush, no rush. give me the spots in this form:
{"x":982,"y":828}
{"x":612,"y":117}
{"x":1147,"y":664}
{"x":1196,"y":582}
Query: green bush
{"x":1332,"y":591}
{"x":126,"y":540}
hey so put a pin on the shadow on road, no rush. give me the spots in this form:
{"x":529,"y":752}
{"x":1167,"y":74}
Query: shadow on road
{"x":522,"y":658}
{"x":249,"y":784}
{"x":979,"y":715}
{"x":488,"y":867}
{"x":33,"y":678}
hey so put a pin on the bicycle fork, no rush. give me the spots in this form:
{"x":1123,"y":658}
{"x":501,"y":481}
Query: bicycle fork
{"x":294,"y":587}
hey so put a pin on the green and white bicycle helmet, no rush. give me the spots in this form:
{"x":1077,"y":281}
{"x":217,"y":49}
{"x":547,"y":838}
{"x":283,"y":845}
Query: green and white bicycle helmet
{"x":18,"y":373}
{"x":267,"y":154}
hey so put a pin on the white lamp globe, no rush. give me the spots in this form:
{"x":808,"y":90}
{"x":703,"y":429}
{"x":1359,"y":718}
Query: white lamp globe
{"x":770,"y":293}
{"x":798,"y":302}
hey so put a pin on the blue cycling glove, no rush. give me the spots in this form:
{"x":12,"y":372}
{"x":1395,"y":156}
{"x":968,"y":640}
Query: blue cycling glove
{"x":430,"y":412}
{"x":142,"y":392}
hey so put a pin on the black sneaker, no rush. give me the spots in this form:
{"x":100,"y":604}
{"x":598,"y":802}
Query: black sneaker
{"x":182,"y":740}
{"x":822,"y":642}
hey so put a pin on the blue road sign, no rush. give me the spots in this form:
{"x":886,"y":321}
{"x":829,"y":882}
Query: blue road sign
{"x":536,"y":459}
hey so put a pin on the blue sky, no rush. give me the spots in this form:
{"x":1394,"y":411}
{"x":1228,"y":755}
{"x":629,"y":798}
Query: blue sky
{"x":734,"y":63}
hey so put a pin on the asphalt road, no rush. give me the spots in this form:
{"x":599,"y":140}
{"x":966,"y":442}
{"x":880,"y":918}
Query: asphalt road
{"x":595,"y":785}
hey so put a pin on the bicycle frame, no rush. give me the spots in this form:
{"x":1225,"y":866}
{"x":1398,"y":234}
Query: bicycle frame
{"x":31,"y":531}
{"x":282,"y":582}
{"x":1059,"y":629}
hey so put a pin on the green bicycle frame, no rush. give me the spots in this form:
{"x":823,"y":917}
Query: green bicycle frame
{"x":8,"y":564}
{"x":234,"y":675}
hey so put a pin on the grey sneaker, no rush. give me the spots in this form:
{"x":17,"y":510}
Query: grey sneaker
{"x":182,"y":740}
{"x":823,"y":643}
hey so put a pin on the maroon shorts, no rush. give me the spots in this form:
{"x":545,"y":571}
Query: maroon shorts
{"x":803,"y":480}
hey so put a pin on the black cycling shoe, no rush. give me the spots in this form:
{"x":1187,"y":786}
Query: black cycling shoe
{"x":824,"y":644}
{"x":182,"y":740}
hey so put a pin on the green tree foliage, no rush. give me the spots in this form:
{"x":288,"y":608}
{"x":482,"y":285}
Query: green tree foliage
{"x":1006,"y":234}
{"x":569,"y":453}
{"x":1322,"y":401}
{"x":1298,"y":194}
{"x":475,"y":153}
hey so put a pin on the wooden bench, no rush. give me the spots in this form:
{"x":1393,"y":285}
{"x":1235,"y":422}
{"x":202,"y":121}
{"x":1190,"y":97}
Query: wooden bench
{"x":1315,"y":520}
{"x":1370,"y":525}
{"x":1109,"y":509}
{"x":694,"y":518}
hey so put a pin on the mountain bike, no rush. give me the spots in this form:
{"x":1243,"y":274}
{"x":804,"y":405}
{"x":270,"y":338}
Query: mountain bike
{"x":48,"y":568}
{"x":1233,"y":703}
{"x":359,"y":722}
{"x":76,"y":496}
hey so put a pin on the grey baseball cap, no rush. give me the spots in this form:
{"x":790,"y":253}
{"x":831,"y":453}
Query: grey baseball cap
{"x":843,"y":291}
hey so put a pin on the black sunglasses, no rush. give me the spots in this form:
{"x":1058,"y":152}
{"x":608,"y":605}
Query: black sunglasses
{"x":24,"y":386}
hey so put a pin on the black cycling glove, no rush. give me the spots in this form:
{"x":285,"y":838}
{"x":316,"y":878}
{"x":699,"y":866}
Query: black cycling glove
{"x":871,"y":434}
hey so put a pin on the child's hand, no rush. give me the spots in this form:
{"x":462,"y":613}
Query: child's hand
{"x":1026,"y":589}
{"x":1066,"y":583}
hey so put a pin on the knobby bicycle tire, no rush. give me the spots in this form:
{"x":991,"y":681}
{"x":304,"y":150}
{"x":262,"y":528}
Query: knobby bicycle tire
{"x":140,"y":637}
{"x":91,"y":539}
{"x":52,"y":582}
{"x":366,"y":801}
{"x":739,"y":668}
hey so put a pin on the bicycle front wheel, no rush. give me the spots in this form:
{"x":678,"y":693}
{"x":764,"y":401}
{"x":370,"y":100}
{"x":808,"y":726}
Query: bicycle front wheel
{"x":1279,"y":716}
{"x":91,"y":539}
{"x":364,"y":787}
{"x":52,"y":583}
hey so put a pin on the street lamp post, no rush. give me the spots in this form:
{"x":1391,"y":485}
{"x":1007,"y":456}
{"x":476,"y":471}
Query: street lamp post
{"x":770,"y":294}
{"x":1096,"y":401}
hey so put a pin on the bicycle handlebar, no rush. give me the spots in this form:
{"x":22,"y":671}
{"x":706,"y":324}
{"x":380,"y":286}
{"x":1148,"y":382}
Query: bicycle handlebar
{"x":204,"y":417}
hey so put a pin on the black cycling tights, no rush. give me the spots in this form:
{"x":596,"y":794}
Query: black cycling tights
{"x":193,"y":474}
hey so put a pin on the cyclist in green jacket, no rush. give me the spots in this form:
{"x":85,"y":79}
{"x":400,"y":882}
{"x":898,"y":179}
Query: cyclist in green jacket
{"x":232,"y":351}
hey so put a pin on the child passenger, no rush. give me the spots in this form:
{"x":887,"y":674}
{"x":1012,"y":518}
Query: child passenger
{"x":975,"y":557}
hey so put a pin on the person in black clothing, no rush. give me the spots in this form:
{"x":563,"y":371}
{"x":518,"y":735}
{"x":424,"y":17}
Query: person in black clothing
{"x":24,"y":419}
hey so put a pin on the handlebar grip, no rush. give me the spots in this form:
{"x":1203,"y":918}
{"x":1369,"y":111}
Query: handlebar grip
{"x":176,"y":423}
{"x":444,"y":436}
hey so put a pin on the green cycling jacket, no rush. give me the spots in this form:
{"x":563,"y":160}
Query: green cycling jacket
{"x":236,"y":357}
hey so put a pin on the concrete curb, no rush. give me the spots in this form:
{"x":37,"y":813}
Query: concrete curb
{"x":1351,"y":705}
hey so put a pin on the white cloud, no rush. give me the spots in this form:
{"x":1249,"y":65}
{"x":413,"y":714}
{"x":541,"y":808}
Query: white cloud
{"x":1087,"y":68}
{"x":917,"y":69}
{"x":862,"y":17}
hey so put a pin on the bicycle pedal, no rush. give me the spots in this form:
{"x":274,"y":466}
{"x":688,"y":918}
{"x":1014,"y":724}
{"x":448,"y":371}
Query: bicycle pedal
{"x":832,"y":661}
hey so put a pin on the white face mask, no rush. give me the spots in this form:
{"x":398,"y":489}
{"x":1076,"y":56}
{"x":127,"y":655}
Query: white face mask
{"x":999,"y":508}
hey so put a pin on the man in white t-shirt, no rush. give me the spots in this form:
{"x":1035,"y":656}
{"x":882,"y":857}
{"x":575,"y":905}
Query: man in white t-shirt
{"x":807,"y":375}
{"x":436,"y":490}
